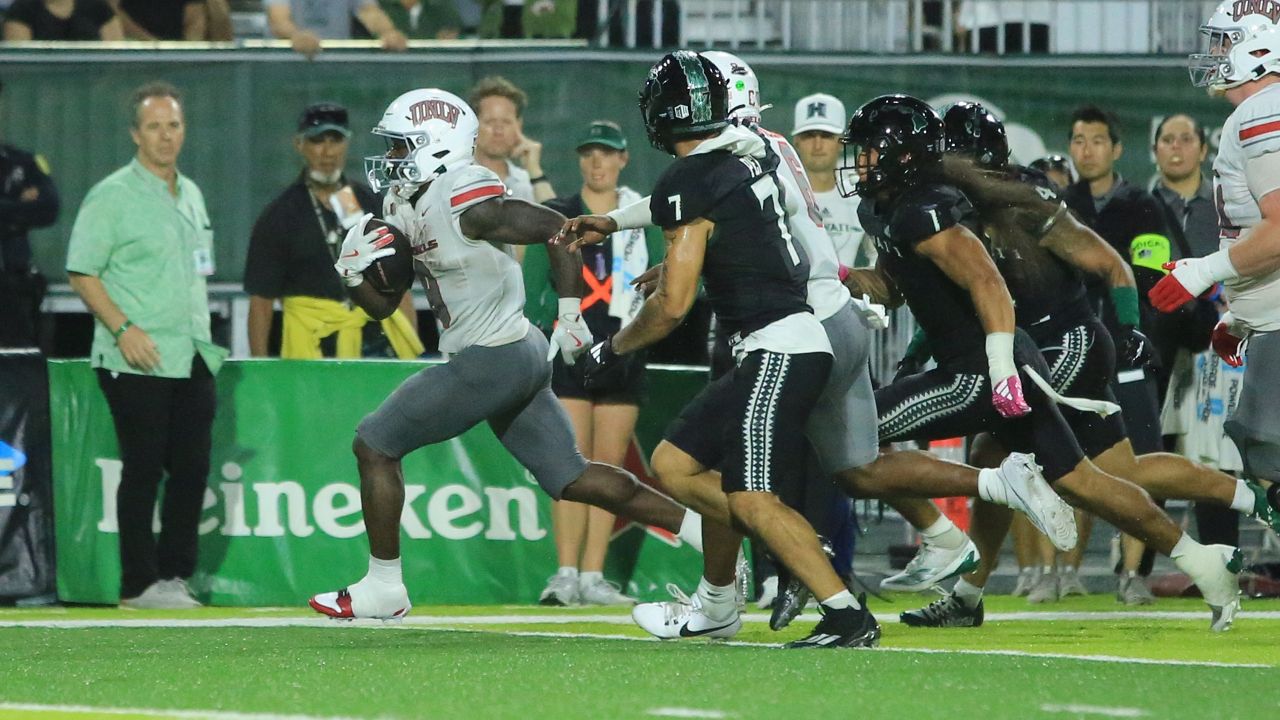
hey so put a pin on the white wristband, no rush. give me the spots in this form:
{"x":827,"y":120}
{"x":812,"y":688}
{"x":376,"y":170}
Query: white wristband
{"x":1000,"y":356}
{"x":635,"y":215}
{"x":1218,"y":266}
{"x":569,"y":306}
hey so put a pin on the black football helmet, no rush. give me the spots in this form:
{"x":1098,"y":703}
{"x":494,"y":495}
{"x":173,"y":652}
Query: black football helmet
{"x":906,"y":134}
{"x":685,"y":94}
{"x":972,"y":130}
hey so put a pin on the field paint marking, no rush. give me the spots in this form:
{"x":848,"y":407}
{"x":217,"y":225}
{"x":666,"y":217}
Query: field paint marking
{"x":1120,"y":712}
{"x":567,"y":619}
{"x":923,"y":651}
{"x":679,"y":712}
{"x":153,"y":712}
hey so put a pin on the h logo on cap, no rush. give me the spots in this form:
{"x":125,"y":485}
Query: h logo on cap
{"x":817,"y":109}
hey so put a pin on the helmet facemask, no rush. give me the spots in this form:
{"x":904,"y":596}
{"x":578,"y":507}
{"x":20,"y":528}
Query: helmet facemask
{"x":1210,"y":69}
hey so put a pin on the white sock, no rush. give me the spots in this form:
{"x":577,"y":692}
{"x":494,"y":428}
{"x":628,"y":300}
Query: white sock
{"x":944,"y":534}
{"x":1064,"y":570}
{"x":567,"y":571}
{"x":967,"y":592}
{"x":991,"y":487}
{"x":719,"y":602}
{"x":386,"y":572}
{"x":587,"y":579}
{"x":841,"y":600}
{"x":1243,"y":501}
{"x":1184,"y":545}
{"x":691,"y":530}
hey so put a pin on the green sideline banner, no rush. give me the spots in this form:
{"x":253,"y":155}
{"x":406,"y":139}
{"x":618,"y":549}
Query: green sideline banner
{"x":281,"y":517}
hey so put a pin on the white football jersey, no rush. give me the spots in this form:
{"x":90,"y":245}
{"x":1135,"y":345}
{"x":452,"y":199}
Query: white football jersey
{"x":1252,"y":131}
{"x":475,"y":289}
{"x":827,"y":295}
{"x":840,"y":217}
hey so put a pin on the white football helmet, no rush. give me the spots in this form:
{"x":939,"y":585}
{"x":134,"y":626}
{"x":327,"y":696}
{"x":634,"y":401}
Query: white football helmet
{"x":428,"y":132}
{"x":744,"y":87}
{"x":1244,"y":45}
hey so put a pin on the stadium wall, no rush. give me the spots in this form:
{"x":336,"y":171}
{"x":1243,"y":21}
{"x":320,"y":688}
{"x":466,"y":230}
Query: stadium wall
{"x":242,"y":108}
{"x":281,"y":515}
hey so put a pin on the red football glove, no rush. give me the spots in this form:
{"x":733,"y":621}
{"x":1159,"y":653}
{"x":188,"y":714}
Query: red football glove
{"x":1227,"y":344}
{"x":1008,"y":398}
{"x":1190,"y":278}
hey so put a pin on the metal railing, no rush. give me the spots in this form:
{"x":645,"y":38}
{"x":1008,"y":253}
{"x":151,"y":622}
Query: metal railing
{"x":912,"y":26}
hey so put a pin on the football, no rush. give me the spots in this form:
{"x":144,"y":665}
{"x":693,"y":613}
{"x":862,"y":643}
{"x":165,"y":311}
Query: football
{"x":393,"y":274}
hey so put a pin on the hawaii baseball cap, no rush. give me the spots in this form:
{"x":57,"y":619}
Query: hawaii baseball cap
{"x":819,"y":112}
{"x":322,"y":118}
{"x":603,"y":132}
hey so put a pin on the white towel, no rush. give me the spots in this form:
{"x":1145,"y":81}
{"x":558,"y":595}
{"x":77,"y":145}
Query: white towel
{"x":630,"y":259}
{"x":1102,"y":407}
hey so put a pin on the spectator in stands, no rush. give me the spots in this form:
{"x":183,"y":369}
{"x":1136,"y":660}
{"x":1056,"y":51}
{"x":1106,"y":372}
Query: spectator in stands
{"x":501,"y":144}
{"x":140,"y":250}
{"x":603,"y":418}
{"x":1128,"y":218}
{"x":61,"y":20}
{"x":1202,"y":386}
{"x":307,"y":23}
{"x":28,"y":199}
{"x":174,"y":19}
{"x":819,"y":123}
{"x":295,"y":243}
{"x":424,"y":19}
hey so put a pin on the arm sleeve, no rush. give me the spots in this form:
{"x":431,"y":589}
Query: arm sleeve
{"x":472,"y":186}
{"x":540,"y":295}
{"x":266,"y":259}
{"x":93,"y":234}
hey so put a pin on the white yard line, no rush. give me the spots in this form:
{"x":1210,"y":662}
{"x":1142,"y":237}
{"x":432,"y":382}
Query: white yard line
{"x":569,"y":618}
{"x":485,"y":623}
{"x":1119,"y":712}
{"x":682,"y":712}
{"x":89,"y":711}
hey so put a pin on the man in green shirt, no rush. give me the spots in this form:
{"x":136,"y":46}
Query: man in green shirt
{"x":140,"y":251}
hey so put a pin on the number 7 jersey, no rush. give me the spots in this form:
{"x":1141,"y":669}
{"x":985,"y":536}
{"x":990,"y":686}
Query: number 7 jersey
{"x":475,"y":288}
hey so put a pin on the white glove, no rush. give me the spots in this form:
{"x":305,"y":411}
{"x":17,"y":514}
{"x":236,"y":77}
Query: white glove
{"x":873,"y":314}
{"x":360,"y":249}
{"x":571,"y":337}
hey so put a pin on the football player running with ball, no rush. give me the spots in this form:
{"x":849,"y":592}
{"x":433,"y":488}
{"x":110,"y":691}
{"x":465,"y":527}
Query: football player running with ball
{"x":1243,"y":64}
{"x":458,"y":220}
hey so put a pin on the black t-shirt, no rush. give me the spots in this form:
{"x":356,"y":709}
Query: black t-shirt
{"x":754,"y":273}
{"x":290,"y":253}
{"x":597,"y":262}
{"x":85,"y":22}
{"x":942,"y":308}
{"x":1129,"y":213}
{"x":162,"y":18}
{"x":1048,"y":293}
{"x":20,"y":171}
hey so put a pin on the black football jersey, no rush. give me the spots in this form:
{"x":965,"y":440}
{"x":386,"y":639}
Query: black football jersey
{"x":754,"y":272}
{"x":940,"y":306}
{"x":1048,"y":293}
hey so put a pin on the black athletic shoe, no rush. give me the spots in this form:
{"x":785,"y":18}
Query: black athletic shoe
{"x":793,"y":595}
{"x":946,"y":611}
{"x":847,"y":627}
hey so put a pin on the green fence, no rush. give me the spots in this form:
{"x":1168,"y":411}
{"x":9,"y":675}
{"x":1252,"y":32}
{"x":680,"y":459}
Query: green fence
{"x":281,"y":517}
{"x":242,"y":108}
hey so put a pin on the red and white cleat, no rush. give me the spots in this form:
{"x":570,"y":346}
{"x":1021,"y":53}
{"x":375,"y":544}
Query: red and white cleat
{"x":356,"y":602}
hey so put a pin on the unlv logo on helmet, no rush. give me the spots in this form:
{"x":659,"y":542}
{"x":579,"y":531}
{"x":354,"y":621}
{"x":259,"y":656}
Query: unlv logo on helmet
{"x":1269,"y":8}
{"x":433,"y":110}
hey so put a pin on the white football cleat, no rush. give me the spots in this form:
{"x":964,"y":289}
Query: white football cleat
{"x":932,"y":565}
{"x":365,"y":599}
{"x":1027,"y":491}
{"x":1221,"y":587}
{"x":683,"y":618}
